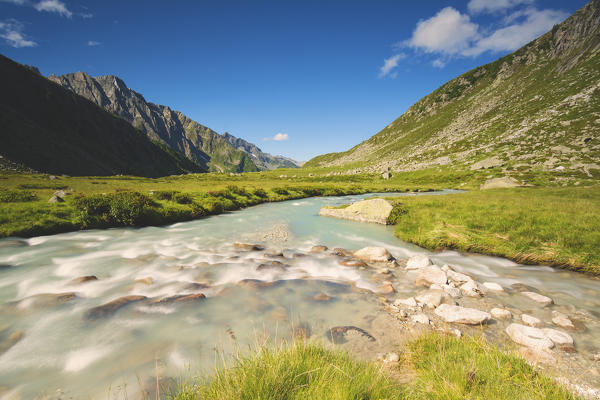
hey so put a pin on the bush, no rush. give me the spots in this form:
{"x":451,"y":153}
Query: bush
{"x":165,"y":194}
{"x":183,"y":198}
{"x":260,"y":193}
{"x":281,"y":191}
{"x":398,"y":211}
{"x":237,"y":190}
{"x":16,"y":196}
{"x":120,"y":209}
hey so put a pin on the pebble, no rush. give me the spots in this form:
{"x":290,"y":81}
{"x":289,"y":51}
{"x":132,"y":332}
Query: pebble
{"x":538,"y":298}
{"x":493,"y":286}
{"x":501,"y":313}
{"x":411,"y":302}
{"x":391,"y":358}
{"x":531,"y":320}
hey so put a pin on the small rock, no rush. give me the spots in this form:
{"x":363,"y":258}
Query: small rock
{"x":493,"y":286}
{"x":457,"y":277}
{"x":318,"y":249}
{"x":386,"y":288}
{"x":322,"y":297}
{"x":420,"y":318}
{"x":374,"y":254}
{"x":501,"y":313}
{"x":183,"y":298}
{"x":411,"y":302}
{"x":596,"y":357}
{"x":271,"y":266}
{"x":529,"y":336}
{"x":471,"y":289}
{"x":431,"y":275}
{"x":538,"y":298}
{"x":531,"y":320}
{"x":446,"y":268}
{"x":418,"y":261}
{"x":558,"y":337}
{"x":457,"y":333}
{"x":56,"y":199}
{"x":451,"y":291}
{"x":109,"y":308}
{"x":352,"y":262}
{"x":462,"y":315}
{"x":87,"y":278}
{"x":391,"y":358}
{"x":145,"y":281}
{"x":248,"y":246}
{"x":431,"y":298}
{"x":562,"y":320}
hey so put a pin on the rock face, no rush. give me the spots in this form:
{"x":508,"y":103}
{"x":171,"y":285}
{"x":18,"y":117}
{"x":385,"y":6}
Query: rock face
{"x":499,"y":183}
{"x":196,"y":142}
{"x":462,"y":315}
{"x":374,"y":254}
{"x":372,"y":210}
{"x":263,"y":161}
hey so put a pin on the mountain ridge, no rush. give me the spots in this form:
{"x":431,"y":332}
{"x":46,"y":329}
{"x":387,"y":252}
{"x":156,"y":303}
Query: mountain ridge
{"x":159,"y":122}
{"x":534,"y":109}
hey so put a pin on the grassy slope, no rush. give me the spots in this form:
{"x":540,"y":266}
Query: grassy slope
{"x":434,"y":367}
{"x":517,"y":108}
{"x":554,"y":226}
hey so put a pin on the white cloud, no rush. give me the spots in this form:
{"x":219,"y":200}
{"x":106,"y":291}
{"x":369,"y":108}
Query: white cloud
{"x":278,"y":137}
{"x":513,"y":36}
{"x":438,"y":63}
{"x":448,"y":32}
{"x":54,"y":6}
{"x":93,"y":43}
{"x":389,"y":64}
{"x":492,"y":6}
{"x":12,"y":32}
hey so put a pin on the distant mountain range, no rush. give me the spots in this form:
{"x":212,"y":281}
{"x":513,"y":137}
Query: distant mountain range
{"x":49,"y":129}
{"x":200,"y":144}
{"x":535,"y":109}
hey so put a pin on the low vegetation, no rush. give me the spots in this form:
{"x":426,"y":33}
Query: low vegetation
{"x":431,"y":367}
{"x":551,"y":226}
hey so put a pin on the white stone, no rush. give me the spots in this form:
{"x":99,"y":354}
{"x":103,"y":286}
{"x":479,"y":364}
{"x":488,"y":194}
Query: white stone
{"x":374,"y":254}
{"x":531,"y":320}
{"x":558,"y":337}
{"x":411,"y":302}
{"x":493,"y":286}
{"x":391,"y":358}
{"x":538,"y":298}
{"x":451,"y":291}
{"x":418,"y":261}
{"x":420,"y":318}
{"x":446,"y":268}
{"x":458,"y":277}
{"x":471,"y":289}
{"x":529,"y":336}
{"x":562,"y":320}
{"x":431,"y":298}
{"x":431,"y":275}
{"x":501,"y":313}
{"x":462,"y":315}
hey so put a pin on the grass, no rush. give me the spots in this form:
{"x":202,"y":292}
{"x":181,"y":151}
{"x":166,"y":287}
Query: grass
{"x":433,"y":366}
{"x":551,"y":226}
{"x":103,"y":202}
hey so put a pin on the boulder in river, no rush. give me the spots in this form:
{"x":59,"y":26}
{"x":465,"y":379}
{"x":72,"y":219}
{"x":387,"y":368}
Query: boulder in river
{"x":248,"y":246}
{"x":462,"y":315}
{"x":493,"y":286}
{"x":458,"y":277}
{"x":87,"y":278}
{"x":538,"y":298}
{"x":562,"y":320}
{"x":501,"y":313}
{"x":529,"y":336}
{"x":374,"y":254}
{"x":558,"y":337}
{"x":318,"y":249}
{"x":110,"y":308}
{"x":471,"y":289}
{"x":271,"y":266}
{"x":410,"y":302}
{"x":182,"y":298}
{"x":352,"y":262}
{"x":430,"y":298}
{"x":531,"y":320}
{"x":371,"y":210}
{"x":418,"y":261}
{"x":431,"y":275}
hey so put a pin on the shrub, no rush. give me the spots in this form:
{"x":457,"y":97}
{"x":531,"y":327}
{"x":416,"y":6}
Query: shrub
{"x":183,"y":198}
{"x":281,"y":191}
{"x":121,"y":209}
{"x":260,"y":193}
{"x":41,"y":186}
{"x":237,"y":190}
{"x":398,"y":211}
{"x":165,"y":194}
{"x":16,"y":196}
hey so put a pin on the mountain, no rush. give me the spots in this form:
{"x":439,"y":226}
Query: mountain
{"x":197,"y":142}
{"x":262,"y":160}
{"x":535,"y":109}
{"x":50,"y":129}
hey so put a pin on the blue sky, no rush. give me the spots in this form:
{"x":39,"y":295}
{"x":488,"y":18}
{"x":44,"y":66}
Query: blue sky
{"x":320,"y":76}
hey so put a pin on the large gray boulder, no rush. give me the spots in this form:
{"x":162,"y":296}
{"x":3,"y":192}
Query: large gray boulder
{"x":529,"y":336}
{"x":431,"y":275}
{"x":374,"y":254}
{"x":418,"y":261}
{"x":487,"y":163}
{"x":372,"y":210}
{"x":462,"y":315}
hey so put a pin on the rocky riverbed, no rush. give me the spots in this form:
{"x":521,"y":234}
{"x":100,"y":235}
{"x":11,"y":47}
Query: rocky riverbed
{"x":90,"y":312}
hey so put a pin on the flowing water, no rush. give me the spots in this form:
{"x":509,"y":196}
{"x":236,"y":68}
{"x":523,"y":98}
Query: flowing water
{"x":50,"y":342}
